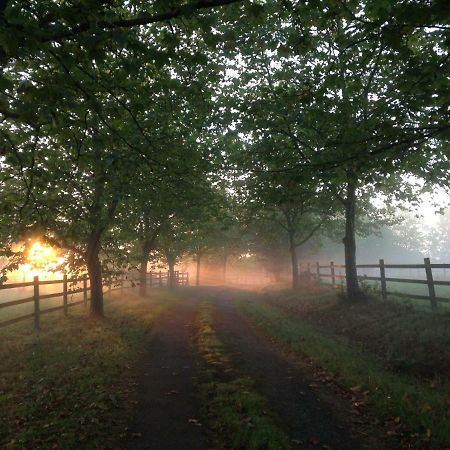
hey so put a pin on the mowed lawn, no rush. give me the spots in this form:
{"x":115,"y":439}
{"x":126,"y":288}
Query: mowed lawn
{"x":70,"y":386}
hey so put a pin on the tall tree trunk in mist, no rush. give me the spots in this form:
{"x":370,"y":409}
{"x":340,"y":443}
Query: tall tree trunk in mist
{"x":143,"y":275}
{"x":101,"y":215}
{"x":94,"y":267}
{"x":147,"y":246}
{"x":353,"y":289}
{"x":171,"y":260}
{"x":294,"y":260}
{"x":197,"y":273}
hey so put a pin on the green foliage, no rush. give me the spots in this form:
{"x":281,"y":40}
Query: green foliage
{"x":119,"y":118}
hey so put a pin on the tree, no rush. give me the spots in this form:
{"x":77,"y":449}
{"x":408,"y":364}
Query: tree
{"x":296,"y":204}
{"x":267,"y":240}
{"x":337,"y":81}
{"x":72,"y":157}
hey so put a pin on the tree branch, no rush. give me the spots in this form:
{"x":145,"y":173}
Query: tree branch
{"x":144,"y":19}
{"x":309,"y":236}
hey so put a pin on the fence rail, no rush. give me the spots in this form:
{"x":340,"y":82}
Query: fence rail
{"x":156,"y":279}
{"x":160,"y":279}
{"x":427,"y":266}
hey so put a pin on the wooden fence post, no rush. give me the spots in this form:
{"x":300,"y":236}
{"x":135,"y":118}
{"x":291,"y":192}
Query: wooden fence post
{"x":151,"y":278}
{"x":318,"y":272}
{"x":430,"y":283}
{"x":65,"y":294}
{"x":85,"y":290}
{"x":121,"y":282}
{"x":160,"y":279}
{"x":383,"y":280}
{"x":187,"y":278}
{"x":37,"y":323}
{"x":333,"y":276}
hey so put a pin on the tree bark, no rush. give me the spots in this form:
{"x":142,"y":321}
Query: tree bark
{"x":147,"y":246}
{"x":171,"y":260}
{"x":94,"y":267}
{"x":294,"y":261}
{"x":353,"y":289}
{"x":143,"y":275}
{"x":197,"y":273}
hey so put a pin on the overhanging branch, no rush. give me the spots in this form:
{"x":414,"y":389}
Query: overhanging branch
{"x":145,"y":19}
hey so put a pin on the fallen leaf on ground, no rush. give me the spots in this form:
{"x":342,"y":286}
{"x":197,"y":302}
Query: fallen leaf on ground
{"x":195,"y":422}
{"x":172,"y":392}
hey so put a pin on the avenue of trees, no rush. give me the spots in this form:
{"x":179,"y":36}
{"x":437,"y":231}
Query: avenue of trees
{"x":130,"y":131}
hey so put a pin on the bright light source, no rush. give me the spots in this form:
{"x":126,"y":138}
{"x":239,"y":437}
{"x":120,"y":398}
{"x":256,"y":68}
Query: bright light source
{"x":40,"y":255}
{"x":42,"y":260}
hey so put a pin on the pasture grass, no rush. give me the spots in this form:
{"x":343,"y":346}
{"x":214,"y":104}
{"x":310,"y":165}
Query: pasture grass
{"x":336,"y":338}
{"x":398,"y":293}
{"x":236,"y":413}
{"x":70,"y":386}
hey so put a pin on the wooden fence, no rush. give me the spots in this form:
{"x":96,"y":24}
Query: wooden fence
{"x":156,"y":279}
{"x":37,"y":297}
{"x":428,"y":280}
{"x":161,"y":279}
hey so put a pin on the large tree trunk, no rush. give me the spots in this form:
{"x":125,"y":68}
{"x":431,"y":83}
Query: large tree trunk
{"x":147,"y":246}
{"x":353,"y":290}
{"x":94,"y":267}
{"x":171,"y":260}
{"x":143,"y":275}
{"x":294,"y":261}
{"x":197,"y":273}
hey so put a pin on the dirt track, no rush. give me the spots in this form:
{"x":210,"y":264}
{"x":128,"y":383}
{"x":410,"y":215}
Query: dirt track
{"x":168,"y":410}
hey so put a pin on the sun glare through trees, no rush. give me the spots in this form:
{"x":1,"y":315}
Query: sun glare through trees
{"x":224,"y":224}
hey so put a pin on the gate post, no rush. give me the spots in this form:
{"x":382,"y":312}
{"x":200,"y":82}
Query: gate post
{"x":85,"y":290}
{"x":383,"y":280}
{"x":37,"y":321}
{"x":430,"y":283}
{"x":65,"y":294}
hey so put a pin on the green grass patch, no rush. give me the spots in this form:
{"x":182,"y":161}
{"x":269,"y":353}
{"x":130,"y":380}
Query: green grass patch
{"x":406,"y":340}
{"x":71,"y":385}
{"x":423,"y":408}
{"x":236,"y":413}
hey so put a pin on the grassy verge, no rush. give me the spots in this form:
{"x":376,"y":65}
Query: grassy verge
{"x":423,"y":408}
{"x":236,"y":413}
{"x":70,"y":386}
{"x":407,"y":341}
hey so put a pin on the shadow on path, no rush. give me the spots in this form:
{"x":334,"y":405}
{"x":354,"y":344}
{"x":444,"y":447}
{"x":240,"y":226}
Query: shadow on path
{"x":168,"y":407}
